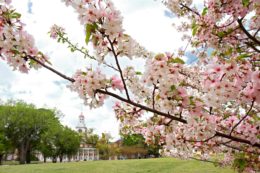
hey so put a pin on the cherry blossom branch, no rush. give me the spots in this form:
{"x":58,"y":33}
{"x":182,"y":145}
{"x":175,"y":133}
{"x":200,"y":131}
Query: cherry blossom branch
{"x":247,"y":114}
{"x":256,"y":32}
{"x":189,"y":9}
{"x":206,"y":140}
{"x":252,"y":46}
{"x":154,"y":88}
{"x":236,"y":139}
{"x":204,"y":160}
{"x":233,"y":138}
{"x":51,"y":69}
{"x":167,"y":124}
{"x":239,"y":149}
{"x":142,"y":106}
{"x":239,"y":21}
{"x":119,"y":68}
{"x":85,"y":53}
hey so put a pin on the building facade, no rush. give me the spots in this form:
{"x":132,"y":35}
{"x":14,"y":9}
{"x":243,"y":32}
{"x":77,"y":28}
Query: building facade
{"x":87,"y":152}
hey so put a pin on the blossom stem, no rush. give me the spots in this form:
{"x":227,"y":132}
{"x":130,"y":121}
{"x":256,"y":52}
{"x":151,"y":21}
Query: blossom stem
{"x":119,"y":68}
{"x":248,"y":112}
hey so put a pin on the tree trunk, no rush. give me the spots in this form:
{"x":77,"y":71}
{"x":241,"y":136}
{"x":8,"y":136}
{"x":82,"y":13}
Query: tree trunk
{"x":1,"y":158}
{"x":22,"y":154}
{"x":44,"y":159}
{"x":61,"y":158}
{"x":54,"y":159}
{"x":28,"y":156}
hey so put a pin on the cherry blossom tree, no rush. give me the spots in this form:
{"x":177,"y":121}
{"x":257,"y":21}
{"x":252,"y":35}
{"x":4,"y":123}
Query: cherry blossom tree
{"x":193,"y":111}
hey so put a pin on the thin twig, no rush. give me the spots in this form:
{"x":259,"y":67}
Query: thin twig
{"x":154,"y":88}
{"x":204,"y":160}
{"x":247,"y":114}
{"x":85,"y":53}
{"x":119,"y":68}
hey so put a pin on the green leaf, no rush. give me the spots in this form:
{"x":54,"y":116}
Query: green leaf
{"x":90,"y":28}
{"x":157,"y":97}
{"x":194,"y":30}
{"x":173,"y":88}
{"x":138,"y":73}
{"x":245,"y":3}
{"x":15,"y":51}
{"x":176,"y":60}
{"x":72,"y":49}
{"x":204,"y":12}
{"x":221,"y":34}
{"x":194,"y":27}
{"x":15,"y":15}
{"x":242,"y":56}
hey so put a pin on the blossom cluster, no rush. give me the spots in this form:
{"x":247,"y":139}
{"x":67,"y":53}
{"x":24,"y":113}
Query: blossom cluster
{"x":104,"y":29}
{"x":128,"y":116}
{"x":16,"y":45}
{"x":56,"y":30}
{"x":231,"y":81}
{"x":88,"y":82}
{"x":220,"y":24}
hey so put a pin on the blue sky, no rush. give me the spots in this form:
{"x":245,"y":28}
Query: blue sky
{"x":147,"y":21}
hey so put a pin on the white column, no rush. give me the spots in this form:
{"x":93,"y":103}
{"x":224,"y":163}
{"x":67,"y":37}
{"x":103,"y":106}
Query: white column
{"x":88,"y":153}
{"x":83,"y":154}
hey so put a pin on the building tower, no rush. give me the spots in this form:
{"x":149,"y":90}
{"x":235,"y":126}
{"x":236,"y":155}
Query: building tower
{"x":81,"y":127}
{"x":86,"y":151}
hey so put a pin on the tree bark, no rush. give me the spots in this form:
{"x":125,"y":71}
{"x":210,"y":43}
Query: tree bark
{"x":22,"y":154}
{"x":54,"y":159}
{"x":1,"y":158}
{"x":61,"y":158}
{"x":28,"y":155}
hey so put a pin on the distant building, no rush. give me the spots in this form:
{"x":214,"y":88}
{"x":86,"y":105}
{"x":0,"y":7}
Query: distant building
{"x":128,"y":152}
{"x":86,"y":151}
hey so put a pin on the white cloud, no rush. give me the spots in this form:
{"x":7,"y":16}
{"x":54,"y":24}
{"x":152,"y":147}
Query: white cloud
{"x":144,"y":20}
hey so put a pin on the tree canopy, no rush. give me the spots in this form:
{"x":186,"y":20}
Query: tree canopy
{"x":27,"y":128}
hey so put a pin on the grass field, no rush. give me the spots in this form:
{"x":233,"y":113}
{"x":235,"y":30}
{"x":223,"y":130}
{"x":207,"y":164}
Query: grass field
{"x":164,"y":165}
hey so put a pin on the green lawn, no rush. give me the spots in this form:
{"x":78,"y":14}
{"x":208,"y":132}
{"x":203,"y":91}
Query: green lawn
{"x":165,"y":165}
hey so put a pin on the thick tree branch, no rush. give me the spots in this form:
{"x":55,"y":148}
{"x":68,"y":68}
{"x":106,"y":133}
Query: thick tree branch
{"x":236,"y":139}
{"x":51,"y":69}
{"x":141,"y":106}
{"x":239,"y":149}
{"x":252,"y":46}
{"x":239,"y":21}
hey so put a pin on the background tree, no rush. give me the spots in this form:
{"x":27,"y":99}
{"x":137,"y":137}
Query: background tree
{"x":5,"y":145}
{"x":24,"y":125}
{"x":135,"y":143}
{"x":89,"y":137}
{"x":48,"y":140}
{"x":67,"y":143}
{"x":103,"y":146}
